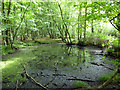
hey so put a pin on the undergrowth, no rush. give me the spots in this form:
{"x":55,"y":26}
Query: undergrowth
{"x":106,"y":77}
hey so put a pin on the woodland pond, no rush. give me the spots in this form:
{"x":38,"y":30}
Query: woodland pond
{"x":54,"y":44}
{"x":55,"y":66}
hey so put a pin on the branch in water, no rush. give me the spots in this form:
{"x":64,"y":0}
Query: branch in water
{"x":33,"y":78}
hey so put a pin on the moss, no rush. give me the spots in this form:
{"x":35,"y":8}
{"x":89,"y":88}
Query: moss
{"x":48,"y":41}
{"x":80,"y":84}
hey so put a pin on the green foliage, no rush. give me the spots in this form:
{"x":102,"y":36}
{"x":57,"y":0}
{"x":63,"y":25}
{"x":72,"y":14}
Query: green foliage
{"x":23,"y":80}
{"x":80,"y":84}
{"x":7,"y":50}
{"x":110,"y":50}
{"x":106,"y":77}
{"x":115,"y":43}
{"x":116,"y":62}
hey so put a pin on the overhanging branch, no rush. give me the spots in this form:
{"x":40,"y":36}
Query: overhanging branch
{"x":113,"y":24}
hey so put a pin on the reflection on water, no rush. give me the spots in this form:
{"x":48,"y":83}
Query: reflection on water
{"x":50,"y":56}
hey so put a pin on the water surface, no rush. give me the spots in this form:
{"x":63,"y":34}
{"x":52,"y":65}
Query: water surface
{"x":61,"y":62}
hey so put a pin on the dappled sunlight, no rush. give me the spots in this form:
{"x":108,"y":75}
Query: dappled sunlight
{"x":3,"y":64}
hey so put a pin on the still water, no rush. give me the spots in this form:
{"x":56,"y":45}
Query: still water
{"x":60,"y":60}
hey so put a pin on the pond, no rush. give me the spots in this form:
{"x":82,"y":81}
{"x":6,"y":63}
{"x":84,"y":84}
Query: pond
{"x":55,"y":65}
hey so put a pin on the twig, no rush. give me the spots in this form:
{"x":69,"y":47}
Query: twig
{"x":37,"y":83}
{"x":21,"y":84}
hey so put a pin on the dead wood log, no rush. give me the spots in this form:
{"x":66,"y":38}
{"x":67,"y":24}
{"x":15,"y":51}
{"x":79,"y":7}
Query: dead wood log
{"x":28,"y":76}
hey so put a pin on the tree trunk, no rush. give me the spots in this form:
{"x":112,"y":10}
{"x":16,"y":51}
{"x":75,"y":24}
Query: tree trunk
{"x":7,"y":21}
{"x":69,"y":42}
{"x":92,"y":29}
{"x":79,"y":23}
{"x":85,"y":23}
{"x":3,"y":22}
{"x":16,"y":31}
{"x":61,"y":33}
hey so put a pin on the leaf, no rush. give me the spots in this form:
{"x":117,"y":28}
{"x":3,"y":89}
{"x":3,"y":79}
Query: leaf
{"x":75,"y":5}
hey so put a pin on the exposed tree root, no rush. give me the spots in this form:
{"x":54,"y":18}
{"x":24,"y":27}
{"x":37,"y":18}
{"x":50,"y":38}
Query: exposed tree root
{"x":110,"y":80}
{"x":28,"y":76}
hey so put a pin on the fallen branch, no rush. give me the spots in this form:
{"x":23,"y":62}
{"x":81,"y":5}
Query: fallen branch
{"x":110,"y":80}
{"x":28,"y":76}
{"x":80,"y":79}
{"x":20,"y":84}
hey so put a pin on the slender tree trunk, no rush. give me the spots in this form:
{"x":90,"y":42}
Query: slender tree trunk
{"x":61,"y":33}
{"x":79,"y":24}
{"x":92,"y":29}
{"x":16,"y":31}
{"x":69,"y":42}
{"x":3,"y":21}
{"x":12,"y":30}
{"x":85,"y":23}
{"x":7,"y":22}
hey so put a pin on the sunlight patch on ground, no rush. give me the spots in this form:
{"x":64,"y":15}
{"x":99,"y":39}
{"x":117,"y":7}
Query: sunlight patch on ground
{"x":3,"y":64}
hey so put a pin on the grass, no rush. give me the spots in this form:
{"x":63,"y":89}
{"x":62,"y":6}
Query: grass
{"x":106,"y":77}
{"x":49,"y":41}
{"x":12,"y":68}
{"x":18,"y":44}
{"x":80,"y":84}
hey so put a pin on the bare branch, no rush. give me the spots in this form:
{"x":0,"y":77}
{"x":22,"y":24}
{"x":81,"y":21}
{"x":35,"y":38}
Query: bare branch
{"x":113,"y":24}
